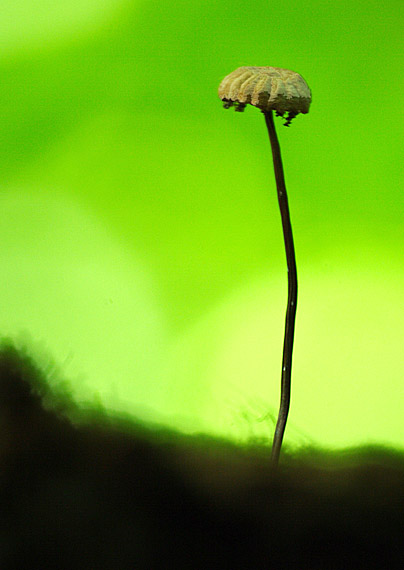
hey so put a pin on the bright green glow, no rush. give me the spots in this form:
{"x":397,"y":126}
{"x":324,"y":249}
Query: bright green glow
{"x":71,"y":288}
{"x":140,"y":236}
{"x":28,"y":23}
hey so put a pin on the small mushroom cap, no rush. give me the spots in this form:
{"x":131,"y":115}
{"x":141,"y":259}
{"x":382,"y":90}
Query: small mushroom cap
{"x":267,"y":88}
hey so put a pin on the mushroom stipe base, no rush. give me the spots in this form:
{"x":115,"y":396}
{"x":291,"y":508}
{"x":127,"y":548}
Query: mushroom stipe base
{"x":292,"y":290}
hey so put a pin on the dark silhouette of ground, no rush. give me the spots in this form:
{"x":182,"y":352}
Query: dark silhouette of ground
{"x":84,"y":490}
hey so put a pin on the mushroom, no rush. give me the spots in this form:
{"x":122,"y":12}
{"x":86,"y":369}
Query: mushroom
{"x":285,"y":92}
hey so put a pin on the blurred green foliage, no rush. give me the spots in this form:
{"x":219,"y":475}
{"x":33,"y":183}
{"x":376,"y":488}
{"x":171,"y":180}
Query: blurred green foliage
{"x":141,"y":241}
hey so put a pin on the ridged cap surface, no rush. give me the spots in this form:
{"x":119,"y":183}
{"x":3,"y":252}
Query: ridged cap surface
{"x":267,"y":88}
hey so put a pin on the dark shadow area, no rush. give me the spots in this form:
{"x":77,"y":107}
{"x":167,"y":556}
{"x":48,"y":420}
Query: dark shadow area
{"x":83,"y":490}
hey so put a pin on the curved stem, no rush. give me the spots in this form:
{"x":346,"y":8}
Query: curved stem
{"x":292,"y":291}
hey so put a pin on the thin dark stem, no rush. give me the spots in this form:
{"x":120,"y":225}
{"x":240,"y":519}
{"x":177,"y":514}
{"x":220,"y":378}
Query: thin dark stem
{"x":292,"y":291}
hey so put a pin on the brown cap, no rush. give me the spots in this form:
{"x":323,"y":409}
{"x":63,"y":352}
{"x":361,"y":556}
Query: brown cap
{"x":267,"y":88}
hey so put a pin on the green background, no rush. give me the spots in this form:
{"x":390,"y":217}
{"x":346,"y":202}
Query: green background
{"x":141,"y":244}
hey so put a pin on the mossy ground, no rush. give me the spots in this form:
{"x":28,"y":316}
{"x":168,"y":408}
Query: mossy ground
{"x":83,"y":489}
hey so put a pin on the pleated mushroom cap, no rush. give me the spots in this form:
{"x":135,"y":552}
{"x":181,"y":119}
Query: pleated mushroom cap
{"x":267,"y":88}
